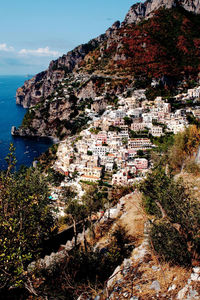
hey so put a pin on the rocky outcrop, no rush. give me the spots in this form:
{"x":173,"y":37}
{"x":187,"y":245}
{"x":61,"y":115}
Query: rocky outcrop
{"x":140,"y":11}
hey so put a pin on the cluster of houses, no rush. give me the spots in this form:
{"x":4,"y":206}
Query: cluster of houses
{"x":93,"y":154}
{"x":116,"y":141}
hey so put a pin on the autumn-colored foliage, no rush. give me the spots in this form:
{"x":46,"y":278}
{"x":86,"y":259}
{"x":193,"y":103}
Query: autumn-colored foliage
{"x":185,"y":146}
{"x":167,"y":44}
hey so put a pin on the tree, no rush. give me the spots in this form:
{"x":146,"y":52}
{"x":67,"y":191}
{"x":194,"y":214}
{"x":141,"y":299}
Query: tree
{"x":54,"y":177}
{"x":177,"y":217}
{"x":93,"y":201}
{"x":125,"y":141}
{"x":68,"y":194}
{"x":185,"y":146}
{"x":77,"y":213}
{"x":75,"y":210}
{"x":26,"y":220}
{"x":140,"y":153}
{"x":128,"y":121}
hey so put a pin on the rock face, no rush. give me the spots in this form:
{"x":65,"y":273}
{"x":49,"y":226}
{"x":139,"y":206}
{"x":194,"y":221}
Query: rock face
{"x":140,"y":11}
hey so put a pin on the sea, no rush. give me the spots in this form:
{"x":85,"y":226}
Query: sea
{"x":27,"y":149}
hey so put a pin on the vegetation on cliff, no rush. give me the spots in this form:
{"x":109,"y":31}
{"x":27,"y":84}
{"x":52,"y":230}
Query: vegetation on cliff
{"x":26,"y":220}
{"x":175,"y":231}
{"x":165,"y":47}
{"x":172,"y":202}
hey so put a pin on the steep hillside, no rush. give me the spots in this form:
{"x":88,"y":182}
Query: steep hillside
{"x":167,"y":45}
{"x":164,"y":49}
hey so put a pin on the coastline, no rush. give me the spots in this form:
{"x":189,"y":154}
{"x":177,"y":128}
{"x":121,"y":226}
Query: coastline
{"x":17,"y":133}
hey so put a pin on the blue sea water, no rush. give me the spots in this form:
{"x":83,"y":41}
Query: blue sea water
{"x":11,"y":115}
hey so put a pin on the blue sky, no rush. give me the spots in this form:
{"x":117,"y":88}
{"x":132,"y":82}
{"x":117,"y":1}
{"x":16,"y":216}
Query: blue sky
{"x":33,"y":32}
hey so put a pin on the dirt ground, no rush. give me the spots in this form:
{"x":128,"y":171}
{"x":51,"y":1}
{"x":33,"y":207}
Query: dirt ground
{"x":133,"y":217}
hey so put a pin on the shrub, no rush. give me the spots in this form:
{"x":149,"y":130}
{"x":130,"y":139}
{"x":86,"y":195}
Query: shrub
{"x":54,"y":177}
{"x":177,"y":217}
{"x":169,"y":244}
{"x":26,"y":221}
{"x":28,"y":118}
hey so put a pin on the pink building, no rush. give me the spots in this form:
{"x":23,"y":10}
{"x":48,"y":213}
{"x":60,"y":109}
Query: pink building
{"x":141,"y":163}
{"x":138,"y":126}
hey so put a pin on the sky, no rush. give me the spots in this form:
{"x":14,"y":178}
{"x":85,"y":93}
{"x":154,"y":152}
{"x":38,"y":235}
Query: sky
{"x":33,"y":32}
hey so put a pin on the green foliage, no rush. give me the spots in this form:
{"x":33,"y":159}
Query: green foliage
{"x":95,"y":130}
{"x":164,"y":142}
{"x":177,"y":215}
{"x":128,"y":121}
{"x":89,"y":152}
{"x":46,"y":159}
{"x":151,"y":93}
{"x":114,"y":128}
{"x":125,"y":141}
{"x":28,"y":118}
{"x":140,"y":153}
{"x":93,"y":199}
{"x":169,"y":244}
{"x":75,"y":125}
{"x":133,"y":134}
{"x":68,"y":194}
{"x":11,"y":159}
{"x":192,"y":120}
{"x":26,"y":220}
{"x":83,"y":104}
{"x":54,"y":177}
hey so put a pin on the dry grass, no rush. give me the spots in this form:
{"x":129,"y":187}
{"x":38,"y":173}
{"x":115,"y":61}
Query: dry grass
{"x":192,"y":182}
{"x":138,"y":280}
{"x":141,"y":275}
{"x":133,"y":217}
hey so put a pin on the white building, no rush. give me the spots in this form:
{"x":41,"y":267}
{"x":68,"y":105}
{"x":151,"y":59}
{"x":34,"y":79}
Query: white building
{"x":115,"y":114}
{"x":157,"y":131}
{"x":194,"y":93}
{"x":100,"y":150}
{"x":109,"y":167}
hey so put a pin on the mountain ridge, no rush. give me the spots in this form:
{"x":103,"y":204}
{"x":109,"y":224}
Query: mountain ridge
{"x":143,"y":10}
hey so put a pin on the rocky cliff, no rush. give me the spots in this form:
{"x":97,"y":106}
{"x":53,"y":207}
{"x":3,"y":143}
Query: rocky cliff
{"x":164,"y":47}
{"x":140,"y":11}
